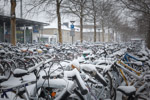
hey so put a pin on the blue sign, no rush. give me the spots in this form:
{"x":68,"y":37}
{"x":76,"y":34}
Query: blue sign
{"x":35,"y":29}
{"x":72,"y":26}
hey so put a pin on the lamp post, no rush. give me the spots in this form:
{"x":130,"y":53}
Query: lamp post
{"x":72,"y":32}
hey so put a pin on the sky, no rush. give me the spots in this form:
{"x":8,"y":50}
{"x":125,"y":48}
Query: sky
{"x":42,"y":17}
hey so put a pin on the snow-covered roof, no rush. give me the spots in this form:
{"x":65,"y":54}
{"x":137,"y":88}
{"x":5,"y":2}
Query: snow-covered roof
{"x":77,"y":29}
{"x":54,"y":26}
{"x":136,"y":39}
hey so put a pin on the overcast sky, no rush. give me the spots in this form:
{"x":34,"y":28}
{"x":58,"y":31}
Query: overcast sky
{"x":42,"y":17}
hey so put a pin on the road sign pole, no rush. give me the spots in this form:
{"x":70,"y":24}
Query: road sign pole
{"x":4,"y":24}
{"x":72,"y":39}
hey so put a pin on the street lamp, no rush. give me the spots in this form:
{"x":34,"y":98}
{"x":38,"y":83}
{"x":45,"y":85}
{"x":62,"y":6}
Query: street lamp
{"x":72,"y":22}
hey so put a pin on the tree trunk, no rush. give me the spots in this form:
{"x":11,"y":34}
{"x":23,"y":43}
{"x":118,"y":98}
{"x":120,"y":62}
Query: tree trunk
{"x":148,"y":37}
{"x":113,"y":35}
{"x":13,"y":22}
{"x":109,"y":35}
{"x":81,"y":21}
{"x":103,"y":32}
{"x":94,"y":29}
{"x":81,"y":29}
{"x":59,"y":21}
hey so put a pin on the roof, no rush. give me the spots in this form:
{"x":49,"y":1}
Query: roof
{"x":136,"y":39}
{"x":63,"y":27}
{"x":55,"y":27}
{"x":20,"y":21}
{"x":88,"y":26}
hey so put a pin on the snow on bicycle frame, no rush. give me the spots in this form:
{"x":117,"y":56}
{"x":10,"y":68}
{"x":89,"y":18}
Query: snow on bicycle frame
{"x":65,"y":84}
{"x":23,"y":84}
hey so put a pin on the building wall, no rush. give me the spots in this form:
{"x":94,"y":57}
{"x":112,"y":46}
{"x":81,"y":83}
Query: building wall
{"x":77,"y":36}
{"x":89,"y":36}
{"x":54,"y":31}
{"x":65,"y":34}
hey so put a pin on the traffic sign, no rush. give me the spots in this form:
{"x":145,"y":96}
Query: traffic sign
{"x":72,"y":26}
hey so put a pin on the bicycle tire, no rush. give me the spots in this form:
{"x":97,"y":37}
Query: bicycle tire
{"x":112,"y":89}
{"x":21,"y":64}
{"x":45,"y":94}
{"x":7,"y":68}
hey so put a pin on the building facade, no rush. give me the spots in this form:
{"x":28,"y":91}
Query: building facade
{"x":50,"y":35}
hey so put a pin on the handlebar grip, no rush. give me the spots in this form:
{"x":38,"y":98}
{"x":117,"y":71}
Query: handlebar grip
{"x":79,"y":94}
{"x":100,"y":78}
{"x":92,"y":81}
{"x":81,"y":84}
{"x":63,"y":96}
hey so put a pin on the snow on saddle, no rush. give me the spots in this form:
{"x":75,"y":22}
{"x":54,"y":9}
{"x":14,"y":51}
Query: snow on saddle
{"x":127,"y":90}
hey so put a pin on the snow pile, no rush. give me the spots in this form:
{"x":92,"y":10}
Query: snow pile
{"x":87,"y":52}
{"x":75,"y":64}
{"x":88,"y":67}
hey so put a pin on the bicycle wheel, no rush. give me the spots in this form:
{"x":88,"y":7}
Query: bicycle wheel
{"x":7,"y":68}
{"x":106,"y":92}
{"x":111,"y":90}
{"x":45,"y":93}
{"x":16,"y":95}
{"x":20,"y":64}
{"x":13,"y":65}
{"x":1,"y":70}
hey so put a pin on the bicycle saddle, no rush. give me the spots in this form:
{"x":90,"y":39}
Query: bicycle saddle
{"x":127,"y":90}
{"x":20,"y":72}
{"x":28,"y":57}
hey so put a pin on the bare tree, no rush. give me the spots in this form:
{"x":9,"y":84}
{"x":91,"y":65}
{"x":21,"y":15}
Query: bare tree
{"x":37,"y":6}
{"x":94,"y":14}
{"x":104,"y":11}
{"x":58,"y":3}
{"x":13,"y":22}
{"x":142,"y":7}
{"x":77,"y":7}
{"x":3,"y":3}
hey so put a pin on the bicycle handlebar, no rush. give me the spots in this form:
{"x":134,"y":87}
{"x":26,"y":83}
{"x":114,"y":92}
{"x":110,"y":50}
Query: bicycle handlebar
{"x":76,"y":76}
{"x":80,"y":83}
{"x":92,"y":70}
{"x":100,"y":78}
{"x":64,"y":95}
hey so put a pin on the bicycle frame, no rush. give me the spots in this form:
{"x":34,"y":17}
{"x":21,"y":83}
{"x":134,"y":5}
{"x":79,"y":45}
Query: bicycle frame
{"x":64,"y":84}
{"x":14,"y":88}
{"x":127,"y":55}
{"x":23,"y":84}
{"x":127,"y":69}
{"x":120,"y":62}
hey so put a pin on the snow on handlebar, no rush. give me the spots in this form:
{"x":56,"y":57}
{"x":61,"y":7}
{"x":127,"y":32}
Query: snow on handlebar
{"x":92,"y":70}
{"x":76,"y":75}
